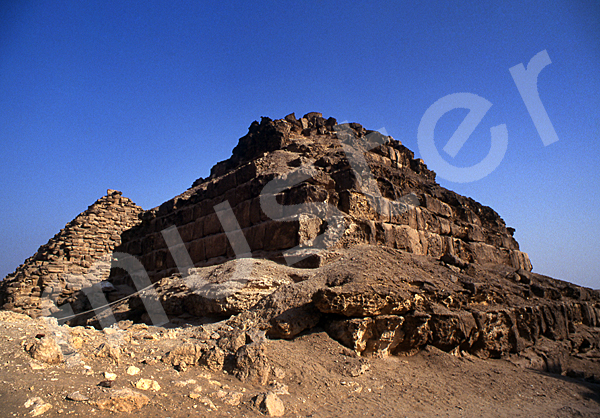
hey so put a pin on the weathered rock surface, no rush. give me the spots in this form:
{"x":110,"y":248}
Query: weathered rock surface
{"x":38,"y":405}
{"x":251,"y":364}
{"x":379,"y":301}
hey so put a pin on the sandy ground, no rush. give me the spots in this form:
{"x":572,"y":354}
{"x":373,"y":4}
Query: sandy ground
{"x":314,"y":376}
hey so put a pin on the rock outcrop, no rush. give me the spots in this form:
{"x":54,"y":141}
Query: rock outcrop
{"x":78,"y":256}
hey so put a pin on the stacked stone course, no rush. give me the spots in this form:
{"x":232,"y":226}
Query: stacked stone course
{"x":82,"y":247}
{"x":444,"y":222}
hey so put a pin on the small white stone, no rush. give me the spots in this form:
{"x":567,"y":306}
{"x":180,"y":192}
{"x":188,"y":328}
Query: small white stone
{"x":110,"y":376}
{"x":132,"y":370}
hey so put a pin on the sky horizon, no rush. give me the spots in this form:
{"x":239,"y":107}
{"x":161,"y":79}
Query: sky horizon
{"x":146,"y":97}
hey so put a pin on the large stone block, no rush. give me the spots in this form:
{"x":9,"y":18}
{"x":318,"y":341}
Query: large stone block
{"x":197,"y":251}
{"x":246,"y":173}
{"x":405,"y":238}
{"x":224,"y":184}
{"x":357,"y":205}
{"x":242,"y":214}
{"x":281,"y":235}
{"x":255,"y":236}
{"x":256,"y":214}
{"x":436,"y":206}
{"x":187,"y":231}
{"x":432,"y":244}
{"x":212,"y":224}
{"x":215,"y":246}
{"x":198,"y":228}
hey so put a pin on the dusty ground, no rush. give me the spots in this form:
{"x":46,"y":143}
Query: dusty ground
{"x":314,"y":377}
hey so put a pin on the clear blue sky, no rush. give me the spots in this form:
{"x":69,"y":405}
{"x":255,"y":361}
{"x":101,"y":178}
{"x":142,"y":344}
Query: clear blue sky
{"x":145,"y":97}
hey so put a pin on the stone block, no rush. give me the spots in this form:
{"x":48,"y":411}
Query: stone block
{"x":281,"y":235}
{"x":187,"y":214}
{"x":475,"y":233}
{"x":408,"y":217}
{"x":224,"y":184}
{"x":437,"y":206}
{"x":187,"y":232}
{"x":431,"y":222}
{"x":149,"y":243}
{"x":245,"y":173}
{"x":255,"y":235}
{"x":242,"y":214}
{"x":134,"y":247}
{"x":231,"y":197}
{"x":406,"y":238}
{"x":246,"y":191}
{"x":160,"y":259}
{"x":198,"y":229}
{"x":357,"y":204}
{"x":215,"y":245}
{"x":256,"y":214}
{"x":212,"y":224}
{"x":197,"y":252}
{"x":458,"y":231}
{"x":148,"y":261}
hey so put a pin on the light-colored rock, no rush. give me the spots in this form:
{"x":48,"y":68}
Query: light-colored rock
{"x":147,"y":384}
{"x":107,"y":350}
{"x":39,"y":406}
{"x":229,"y":398}
{"x":76,"y":342}
{"x":77,"y":397}
{"x":183,"y":383}
{"x":110,"y":376}
{"x":269,"y":404}
{"x":47,"y":350}
{"x":132,"y":370}
{"x":187,"y":354}
{"x":123,"y":400}
{"x":233,"y":398}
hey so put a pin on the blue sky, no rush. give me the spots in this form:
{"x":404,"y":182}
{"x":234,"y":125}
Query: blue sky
{"x":145,"y":97}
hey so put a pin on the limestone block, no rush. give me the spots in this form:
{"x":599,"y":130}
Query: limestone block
{"x":187,"y":232}
{"x":475,"y":233}
{"x":281,"y":235}
{"x":406,"y":238}
{"x":255,"y":236}
{"x":197,"y":251}
{"x":226,"y":183}
{"x":212,"y":224}
{"x":242,"y":214}
{"x":215,"y":245}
